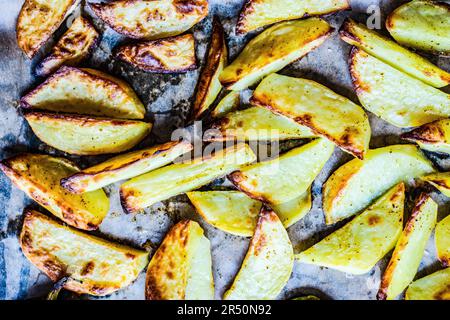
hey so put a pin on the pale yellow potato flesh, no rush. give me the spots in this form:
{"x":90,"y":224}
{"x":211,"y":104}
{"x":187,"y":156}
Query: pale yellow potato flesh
{"x":229,"y":103}
{"x":433,"y":136}
{"x":93,"y":265}
{"x":315,"y":106}
{"x":435,"y":286}
{"x":422,"y":24}
{"x":292,"y":211}
{"x":354,"y":185}
{"x":409,"y":250}
{"x":161,"y":184}
{"x":39,"y":177}
{"x":259,"y":13}
{"x":285,"y":178}
{"x":85,"y":91}
{"x":440,"y":180}
{"x":84,"y":135}
{"x":393,"y":54}
{"x":361,"y":243}
{"x":268,"y":264}
{"x":125,"y":166}
{"x":273,"y":49}
{"x":181,"y":268}
{"x":442,"y":240}
{"x":393,"y":95}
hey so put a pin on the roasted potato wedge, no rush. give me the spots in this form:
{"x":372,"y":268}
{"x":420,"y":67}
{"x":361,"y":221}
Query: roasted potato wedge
{"x":259,"y":13}
{"x":268,"y":263}
{"x":39,"y":176}
{"x":85,"y":91}
{"x":315,"y":106}
{"x":92,"y":265}
{"x":273,"y":49}
{"x":353,"y":186}
{"x":255,"y":124}
{"x":435,"y":286}
{"x":292,"y":211}
{"x":145,"y":190}
{"x":73,"y":47}
{"x":209,"y":86}
{"x":149,"y":19}
{"x":442,"y":238}
{"x":228,"y":104}
{"x":38,"y":20}
{"x":84,"y":135}
{"x":170,"y":55}
{"x":181,"y":268}
{"x":434,"y":136}
{"x":125,"y":166}
{"x":361,"y":243}
{"x":285,"y":178}
{"x":393,"y":95}
{"x":393,"y":54}
{"x":422,"y":24}
{"x":408,"y":252}
{"x":440,"y":180}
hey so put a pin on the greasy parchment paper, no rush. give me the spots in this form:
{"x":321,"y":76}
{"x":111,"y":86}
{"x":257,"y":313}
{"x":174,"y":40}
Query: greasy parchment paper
{"x":168,"y":99}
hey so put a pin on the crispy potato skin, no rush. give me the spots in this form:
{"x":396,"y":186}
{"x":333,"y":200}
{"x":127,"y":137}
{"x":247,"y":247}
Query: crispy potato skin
{"x":433,"y":136}
{"x":38,"y":20}
{"x":170,"y":55}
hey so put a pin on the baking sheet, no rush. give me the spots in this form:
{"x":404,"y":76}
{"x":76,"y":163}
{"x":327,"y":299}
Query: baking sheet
{"x":168,"y":99}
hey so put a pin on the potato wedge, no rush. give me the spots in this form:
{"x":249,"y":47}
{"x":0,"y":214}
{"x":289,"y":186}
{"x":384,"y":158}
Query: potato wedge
{"x":361,"y":243}
{"x":393,"y":95}
{"x":435,"y":286}
{"x":440,"y":180}
{"x":39,"y":176}
{"x":434,"y":136}
{"x":259,"y":13}
{"x":229,"y":103}
{"x":442,"y":238}
{"x":125,"y":166}
{"x":181,"y":268}
{"x":73,"y":47}
{"x":273,"y":49}
{"x":170,"y":55}
{"x":84,"y":135}
{"x":93,"y":265}
{"x":151,"y":19}
{"x":408,"y":252}
{"x":354,"y":185}
{"x":145,"y":190}
{"x":315,"y":106}
{"x":85,"y":91}
{"x":285,"y":178}
{"x":424,"y":25}
{"x":268,"y":263}
{"x":292,"y":211}
{"x":393,"y":54}
{"x":38,"y":20}
{"x":209,"y":86}
{"x":256,"y":123}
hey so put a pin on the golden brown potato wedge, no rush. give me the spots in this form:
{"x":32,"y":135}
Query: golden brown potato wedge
{"x":315,"y":106}
{"x":39,"y":177}
{"x":361,"y":243}
{"x":393,"y":54}
{"x":151,"y":19}
{"x":408,"y":252}
{"x":73,"y":47}
{"x":434,"y":136}
{"x":181,"y":268}
{"x":422,"y":24}
{"x":125,"y":166}
{"x":85,"y":91}
{"x":209,"y":86}
{"x":161,"y":184}
{"x":273,"y":49}
{"x":259,"y":13}
{"x":92,"y":265}
{"x":170,"y":55}
{"x":354,"y":185}
{"x":229,"y":103}
{"x":38,"y":20}
{"x":442,"y":238}
{"x":268,"y":263}
{"x":435,"y":286}
{"x":393,"y":95}
{"x":440,"y":180}
{"x":85,"y":135}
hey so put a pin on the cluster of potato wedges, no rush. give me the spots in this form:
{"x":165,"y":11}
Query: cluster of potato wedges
{"x":86,"y":112}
